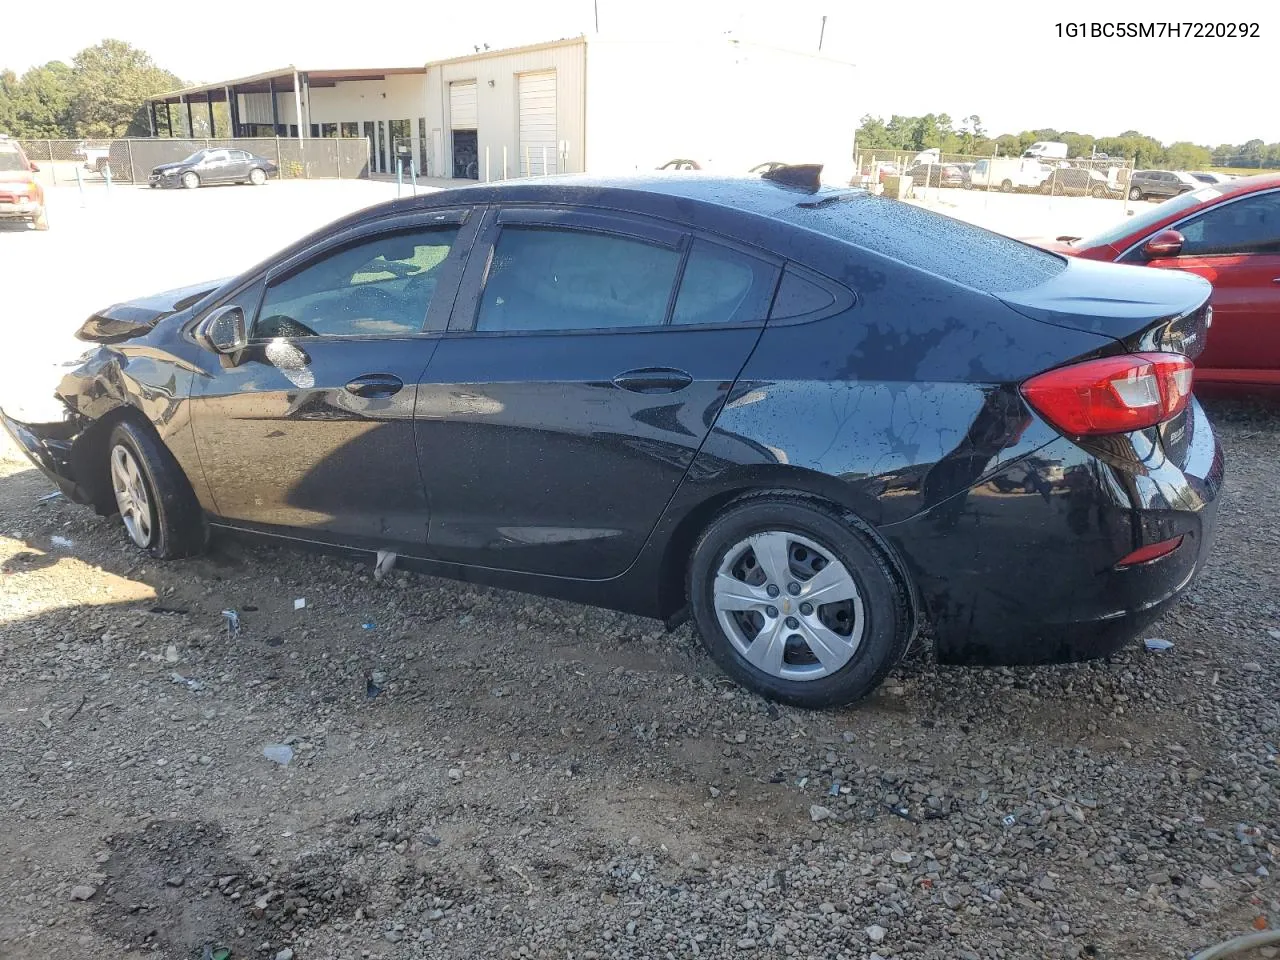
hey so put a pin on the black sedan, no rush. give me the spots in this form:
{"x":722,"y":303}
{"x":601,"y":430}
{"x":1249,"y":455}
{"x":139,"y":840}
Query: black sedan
{"x":810,"y":419}
{"x":215,"y":165}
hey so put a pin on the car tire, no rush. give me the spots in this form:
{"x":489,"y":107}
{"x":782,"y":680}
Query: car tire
{"x":798,"y":530}
{"x":968,"y":184}
{"x":1046,"y":188}
{"x":1098,"y":191}
{"x":190,"y":180}
{"x":153,"y":497}
{"x":1006,"y":186}
{"x":1135,"y":194}
{"x":41,"y":222}
{"x":257,"y":176}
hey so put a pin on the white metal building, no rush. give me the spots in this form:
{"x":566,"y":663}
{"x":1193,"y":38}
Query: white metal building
{"x":587,"y":103}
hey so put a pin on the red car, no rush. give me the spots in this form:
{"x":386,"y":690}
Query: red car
{"x":21,"y":197}
{"x":1229,"y":234}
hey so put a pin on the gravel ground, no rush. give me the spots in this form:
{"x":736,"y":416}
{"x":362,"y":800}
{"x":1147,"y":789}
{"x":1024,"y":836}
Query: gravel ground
{"x":476,"y":773}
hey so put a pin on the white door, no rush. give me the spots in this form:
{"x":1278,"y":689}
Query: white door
{"x":538,"y":142}
{"x":462,"y":106}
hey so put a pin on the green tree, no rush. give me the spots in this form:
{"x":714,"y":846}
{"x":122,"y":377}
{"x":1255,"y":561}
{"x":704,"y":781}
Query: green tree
{"x":1184,"y":155}
{"x":1252,"y":153}
{"x":41,"y":102}
{"x":112,"y":82}
{"x":1078,"y":144}
{"x":8,"y":110}
{"x":1010,"y":146}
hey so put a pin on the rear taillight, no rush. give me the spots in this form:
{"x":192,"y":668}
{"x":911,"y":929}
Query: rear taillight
{"x":1112,"y":395}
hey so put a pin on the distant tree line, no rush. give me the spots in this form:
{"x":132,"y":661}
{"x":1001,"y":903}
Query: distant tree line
{"x":969,"y":137}
{"x":102,"y":94}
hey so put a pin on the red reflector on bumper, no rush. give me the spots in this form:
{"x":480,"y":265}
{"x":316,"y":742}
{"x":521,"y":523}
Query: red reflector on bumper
{"x":1153,"y":551}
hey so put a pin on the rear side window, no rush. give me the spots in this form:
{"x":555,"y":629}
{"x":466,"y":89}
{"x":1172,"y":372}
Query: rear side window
{"x":723,"y":286}
{"x":949,"y":248}
{"x":560,"y":279}
{"x":798,"y":297}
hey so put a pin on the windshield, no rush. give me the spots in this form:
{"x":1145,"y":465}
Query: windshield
{"x":11,"y":161}
{"x":196,"y":157}
{"x":1139,"y":222}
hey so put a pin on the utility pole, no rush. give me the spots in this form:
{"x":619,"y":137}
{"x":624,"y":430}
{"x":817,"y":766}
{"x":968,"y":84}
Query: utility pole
{"x":822,"y":33}
{"x":595,"y":6}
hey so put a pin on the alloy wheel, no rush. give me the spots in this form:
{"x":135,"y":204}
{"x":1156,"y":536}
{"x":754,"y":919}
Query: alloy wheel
{"x":131,"y":495}
{"x":788,"y":606}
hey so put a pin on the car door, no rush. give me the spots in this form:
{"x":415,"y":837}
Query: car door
{"x":213,"y":168}
{"x":587,"y":358}
{"x":1235,"y":245}
{"x":238,"y":164}
{"x":309,"y":429}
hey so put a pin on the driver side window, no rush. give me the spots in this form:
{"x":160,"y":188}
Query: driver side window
{"x":1248,"y":225}
{"x":380,"y":286}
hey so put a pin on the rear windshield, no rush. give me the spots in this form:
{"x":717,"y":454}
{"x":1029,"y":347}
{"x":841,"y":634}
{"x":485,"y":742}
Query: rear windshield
{"x":1139,"y":222}
{"x":949,"y":248}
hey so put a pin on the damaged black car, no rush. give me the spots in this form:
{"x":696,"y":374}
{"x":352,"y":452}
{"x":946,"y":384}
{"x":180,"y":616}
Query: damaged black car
{"x":811,"y":420}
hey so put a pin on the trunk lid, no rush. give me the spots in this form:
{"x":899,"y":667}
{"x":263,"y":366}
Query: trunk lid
{"x":136,"y":318}
{"x":1146,"y":310}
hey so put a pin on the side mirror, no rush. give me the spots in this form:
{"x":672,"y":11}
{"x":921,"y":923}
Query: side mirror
{"x":34,"y":168}
{"x":223,"y":331}
{"x":1166,"y":243}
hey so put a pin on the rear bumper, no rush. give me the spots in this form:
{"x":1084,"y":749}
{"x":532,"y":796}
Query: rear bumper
{"x":49,"y":447}
{"x":1021,"y":568}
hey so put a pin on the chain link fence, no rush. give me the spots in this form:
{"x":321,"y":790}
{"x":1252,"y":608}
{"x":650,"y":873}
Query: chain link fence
{"x":131,"y":160}
{"x":926,"y":174}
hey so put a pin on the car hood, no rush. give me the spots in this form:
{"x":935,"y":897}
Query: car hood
{"x":12,"y":177}
{"x":136,"y":318}
{"x":169,"y":167}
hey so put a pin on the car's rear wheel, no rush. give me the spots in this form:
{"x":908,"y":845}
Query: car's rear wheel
{"x":257,"y":177}
{"x":1007,"y":186}
{"x":155,"y":502}
{"x":190,"y":180}
{"x":1135,"y":193}
{"x":796,"y":602}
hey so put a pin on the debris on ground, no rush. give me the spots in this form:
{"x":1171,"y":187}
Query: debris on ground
{"x":1157,"y":644}
{"x":384,"y":563}
{"x":299,"y":603}
{"x":279,"y":752}
{"x":231,"y":620}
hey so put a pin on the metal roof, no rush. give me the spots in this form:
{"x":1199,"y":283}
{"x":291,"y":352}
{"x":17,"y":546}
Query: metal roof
{"x":258,"y":82}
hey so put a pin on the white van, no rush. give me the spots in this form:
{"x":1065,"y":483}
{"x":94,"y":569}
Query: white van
{"x":1046,"y":150}
{"x":1008,"y":174}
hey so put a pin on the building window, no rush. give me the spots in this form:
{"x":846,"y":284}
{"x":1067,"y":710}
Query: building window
{"x":328,"y":129}
{"x":351,"y":129}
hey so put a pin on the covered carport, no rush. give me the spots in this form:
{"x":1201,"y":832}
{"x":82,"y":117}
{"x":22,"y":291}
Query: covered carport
{"x":377,"y":103}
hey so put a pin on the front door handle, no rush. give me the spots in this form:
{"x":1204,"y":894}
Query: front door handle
{"x":653,"y":380}
{"x":375,"y":386}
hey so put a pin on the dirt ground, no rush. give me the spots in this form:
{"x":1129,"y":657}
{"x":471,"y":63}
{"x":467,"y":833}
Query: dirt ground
{"x":478,"y":773}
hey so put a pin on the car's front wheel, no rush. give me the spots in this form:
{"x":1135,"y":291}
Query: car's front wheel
{"x":190,"y":180}
{"x":152,"y":495}
{"x":796,"y":602}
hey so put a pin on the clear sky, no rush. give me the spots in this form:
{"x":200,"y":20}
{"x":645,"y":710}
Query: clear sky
{"x":1000,"y":59}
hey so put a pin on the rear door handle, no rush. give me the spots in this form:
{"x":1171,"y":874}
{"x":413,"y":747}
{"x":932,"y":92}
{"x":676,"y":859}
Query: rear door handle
{"x":653,"y":380}
{"x":375,"y":386}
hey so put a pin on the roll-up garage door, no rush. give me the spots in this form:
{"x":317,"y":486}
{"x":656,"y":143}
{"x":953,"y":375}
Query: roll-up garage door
{"x":538,"y":143}
{"x":462,"y":105}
